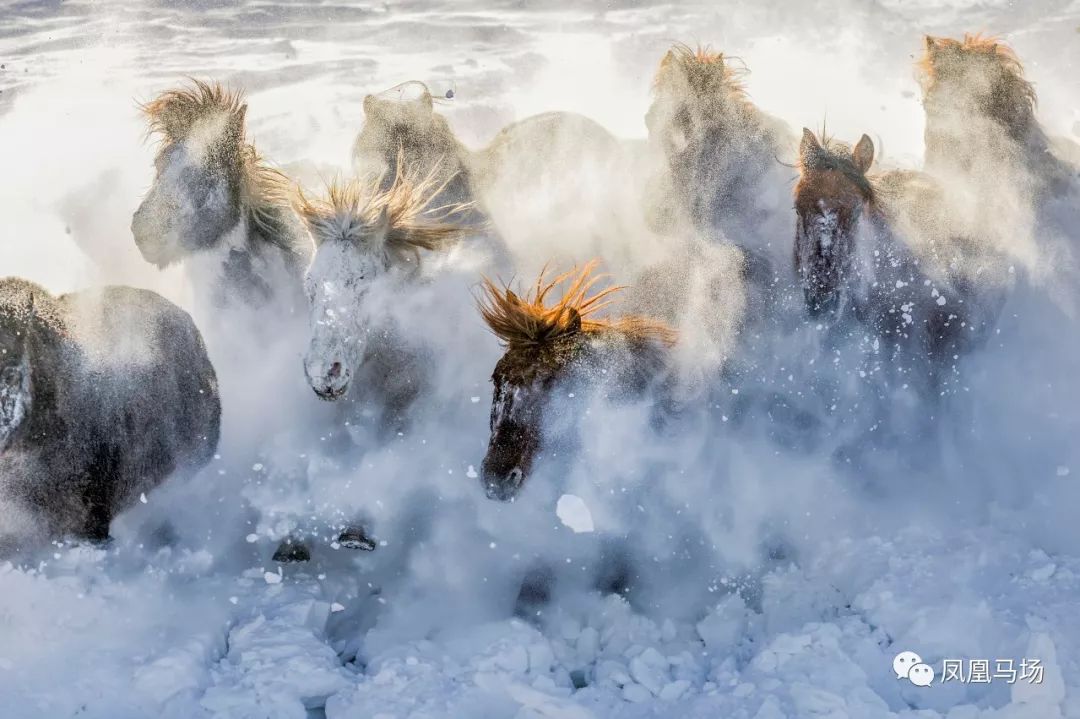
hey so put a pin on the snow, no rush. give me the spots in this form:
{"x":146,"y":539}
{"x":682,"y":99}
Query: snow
{"x":765,"y":582}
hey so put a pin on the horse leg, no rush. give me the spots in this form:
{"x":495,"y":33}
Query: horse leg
{"x":534,"y":593}
{"x":98,"y":495}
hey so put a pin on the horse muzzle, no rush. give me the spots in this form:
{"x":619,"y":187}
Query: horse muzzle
{"x":331,"y":383}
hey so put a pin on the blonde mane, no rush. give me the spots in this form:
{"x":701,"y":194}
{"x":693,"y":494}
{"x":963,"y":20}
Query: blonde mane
{"x":173,"y":113}
{"x":705,"y":71}
{"x":356,"y":210}
{"x":522,"y":322}
{"x":1014,"y":99}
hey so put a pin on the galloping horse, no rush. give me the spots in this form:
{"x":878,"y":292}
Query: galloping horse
{"x":884,"y":252}
{"x":366,"y":236}
{"x":214,"y":201}
{"x":558,"y":349}
{"x":720,"y":152}
{"x":1010,"y":180}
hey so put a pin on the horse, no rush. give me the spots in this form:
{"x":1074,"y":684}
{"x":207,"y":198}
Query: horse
{"x":219,"y":208}
{"x":541,"y":166}
{"x":1005,"y":173}
{"x":367,"y":237}
{"x":980,"y":113}
{"x":215,"y":201}
{"x":553,"y":350}
{"x":884,"y":252}
{"x":401,"y":124}
{"x":104,"y":394}
{"x":719,"y":153}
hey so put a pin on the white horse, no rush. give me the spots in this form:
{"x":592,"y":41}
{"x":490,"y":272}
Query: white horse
{"x":369,"y":244}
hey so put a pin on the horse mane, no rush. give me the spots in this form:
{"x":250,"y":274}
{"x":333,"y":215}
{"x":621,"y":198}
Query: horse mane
{"x":267,"y":194}
{"x":527,"y":321}
{"x":836,"y":156}
{"x":1014,"y":97}
{"x":173,"y":113}
{"x":352,"y":210}
{"x":264,"y":191}
{"x":706,"y":71}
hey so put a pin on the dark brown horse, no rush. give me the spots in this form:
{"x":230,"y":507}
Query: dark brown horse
{"x":558,"y":349}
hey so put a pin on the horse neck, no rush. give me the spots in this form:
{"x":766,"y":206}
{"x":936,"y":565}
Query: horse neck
{"x":251,"y":270}
{"x":625,"y":365}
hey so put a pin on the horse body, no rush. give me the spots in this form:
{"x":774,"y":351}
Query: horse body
{"x":555,"y":351}
{"x":106,"y":393}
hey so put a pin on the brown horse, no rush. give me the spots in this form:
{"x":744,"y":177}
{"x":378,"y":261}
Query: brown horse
{"x":1015,"y":185}
{"x":555,"y":349}
{"x":980,"y":114}
{"x":884,"y":252}
{"x":719,"y":151}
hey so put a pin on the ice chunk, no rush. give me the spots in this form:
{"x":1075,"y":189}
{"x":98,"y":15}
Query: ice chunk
{"x":650,"y":669}
{"x":573,"y":512}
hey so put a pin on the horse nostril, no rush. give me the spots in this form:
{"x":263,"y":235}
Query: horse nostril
{"x":335,"y":370}
{"x":516,"y":475}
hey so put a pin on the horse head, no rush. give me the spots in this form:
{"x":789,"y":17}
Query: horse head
{"x":29,"y":320}
{"x":549,"y":348}
{"x":195,"y":199}
{"x":829,"y":199}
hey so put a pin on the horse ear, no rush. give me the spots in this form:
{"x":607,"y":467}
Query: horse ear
{"x":809,"y":147}
{"x":369,"y":105}
{"x":573,"y":324}
{"x":931,"y":45}
{"x":427,"y":101}
{"x":863,"y":154}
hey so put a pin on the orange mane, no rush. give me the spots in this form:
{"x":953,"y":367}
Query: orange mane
{"x":942,"y":51}
{"x":704,"y":69}
{"x":526,"y":321}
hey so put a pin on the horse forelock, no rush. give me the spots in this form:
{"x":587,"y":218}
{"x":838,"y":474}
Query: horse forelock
{"x":703,"y":70}
{"x":173,"y":113}
{"x":529,"y":322}
{"x":399,"y":218}
{"x":833,"y":159}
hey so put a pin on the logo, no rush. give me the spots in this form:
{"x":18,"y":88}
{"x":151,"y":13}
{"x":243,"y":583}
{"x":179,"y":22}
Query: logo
{"x":910,"y":666}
